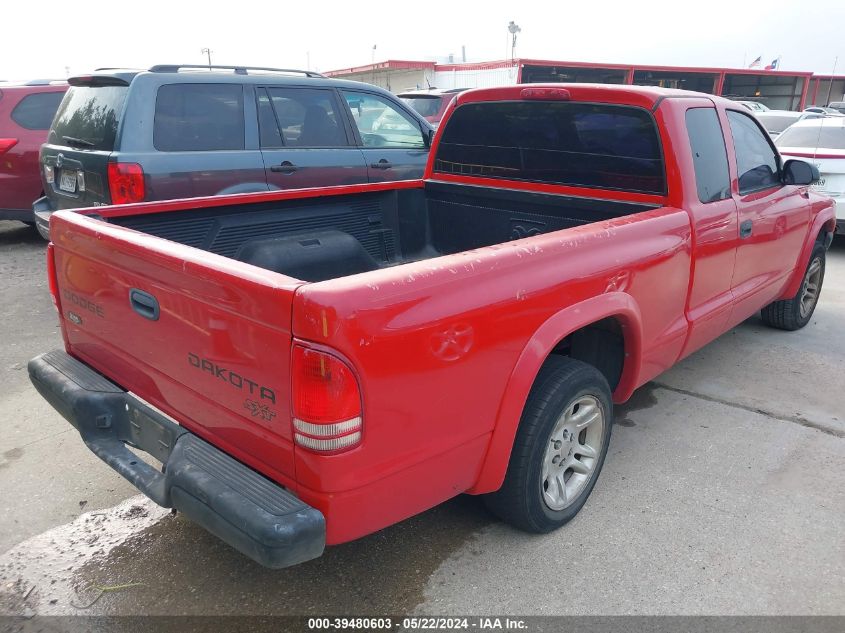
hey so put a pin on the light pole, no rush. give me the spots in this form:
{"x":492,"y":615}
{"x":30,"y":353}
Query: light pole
{"x":207,"y":51}
{"x":373,"y":63}
{"x":513,"y":29}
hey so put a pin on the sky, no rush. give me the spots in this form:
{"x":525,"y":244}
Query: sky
{"x":327,"y":35}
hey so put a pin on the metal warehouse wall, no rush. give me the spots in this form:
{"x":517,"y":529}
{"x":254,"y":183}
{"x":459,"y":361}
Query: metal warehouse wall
{"x":487,"y":78}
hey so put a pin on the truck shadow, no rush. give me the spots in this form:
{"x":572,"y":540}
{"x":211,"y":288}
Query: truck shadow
{"x":17,"y":233}
{"x":185,"y":570}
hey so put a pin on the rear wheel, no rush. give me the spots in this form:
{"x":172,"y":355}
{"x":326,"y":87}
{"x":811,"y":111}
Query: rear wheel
{"x":795,"y":313}
{"x":559,"y":448}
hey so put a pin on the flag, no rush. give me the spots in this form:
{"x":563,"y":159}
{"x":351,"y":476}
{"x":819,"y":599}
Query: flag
{"x":756,"y":62}
{"x":773,"y":65}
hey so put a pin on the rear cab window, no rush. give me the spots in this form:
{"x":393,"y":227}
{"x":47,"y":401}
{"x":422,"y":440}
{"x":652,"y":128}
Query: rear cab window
{"x":88,"y":117}
{"x":199,"y":117}
{"x":427,"y":106}
{"x":565,"y":143}
{"x":822,"y":136}
{"x":36,"y":111}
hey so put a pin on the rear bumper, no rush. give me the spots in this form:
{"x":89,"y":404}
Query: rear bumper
{"x":40,"y":214}
{"x":256,"y":516}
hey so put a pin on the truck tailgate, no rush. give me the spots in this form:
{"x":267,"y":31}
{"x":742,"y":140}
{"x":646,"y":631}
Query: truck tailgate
{"x":203,"y":338}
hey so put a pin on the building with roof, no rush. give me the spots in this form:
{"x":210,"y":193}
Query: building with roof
{"x":779,"y":90}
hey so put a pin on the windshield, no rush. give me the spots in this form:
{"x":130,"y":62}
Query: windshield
{"x":824,"y":136}
{"x":426,"y":106}
{"x":88,"y":117}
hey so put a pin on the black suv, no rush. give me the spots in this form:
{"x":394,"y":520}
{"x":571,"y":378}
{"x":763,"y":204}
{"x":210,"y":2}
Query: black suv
{"x":184,"y":131}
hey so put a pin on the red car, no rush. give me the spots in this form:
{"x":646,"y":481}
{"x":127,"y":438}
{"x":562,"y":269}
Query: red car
{"x":314,"y":365}
{"x":26,"y":112}
{"x":430,"y":104}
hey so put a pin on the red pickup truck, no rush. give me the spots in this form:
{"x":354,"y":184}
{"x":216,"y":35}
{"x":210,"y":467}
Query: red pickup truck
{"x":312,"y":366}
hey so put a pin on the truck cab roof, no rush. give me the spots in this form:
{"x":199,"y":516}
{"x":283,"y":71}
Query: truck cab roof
{"x":644,"y":96}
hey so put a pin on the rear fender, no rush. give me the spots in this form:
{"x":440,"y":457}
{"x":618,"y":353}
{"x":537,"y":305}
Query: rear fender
{"x":613,"y":304}
{"x":825,"y":220}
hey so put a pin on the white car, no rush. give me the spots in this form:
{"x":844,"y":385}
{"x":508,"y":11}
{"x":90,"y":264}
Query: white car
{"x":776,"y":121}
{"x":821,"y":142}
{"x":824,"y":110}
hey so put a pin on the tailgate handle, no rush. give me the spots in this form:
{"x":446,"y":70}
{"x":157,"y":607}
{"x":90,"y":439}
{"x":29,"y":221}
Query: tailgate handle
{"x":144,"y":304}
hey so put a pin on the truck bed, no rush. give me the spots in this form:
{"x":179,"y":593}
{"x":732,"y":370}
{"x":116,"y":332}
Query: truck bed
{"x":316,"y":239}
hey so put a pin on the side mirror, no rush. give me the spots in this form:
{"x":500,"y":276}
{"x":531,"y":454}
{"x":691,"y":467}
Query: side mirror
{"x":798,"y":172}
{"x":428,"y":135}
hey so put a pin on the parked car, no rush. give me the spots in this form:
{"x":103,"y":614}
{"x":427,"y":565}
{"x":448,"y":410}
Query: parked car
{"x":839,"y":106}
{"x":823,"y":110}
{"x":343,"y":358}
{"x":754,"y":106}
{"x":431,"y":103}
{"x":184,"y":131}
{"x":26,"y":111}
{"x":821,"y":142}
{"x":776,"y":121}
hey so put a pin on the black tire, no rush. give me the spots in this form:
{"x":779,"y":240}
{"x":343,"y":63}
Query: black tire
{"x":521,"y":500}
{"x":795,"y":313}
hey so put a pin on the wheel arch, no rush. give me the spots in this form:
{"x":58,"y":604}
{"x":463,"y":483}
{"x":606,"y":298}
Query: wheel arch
{"x":825,"y":222}
{"x":546,"y":340}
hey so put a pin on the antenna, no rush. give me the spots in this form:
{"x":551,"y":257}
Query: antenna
{"x":830,"y":84}
{"x":821,"y":120}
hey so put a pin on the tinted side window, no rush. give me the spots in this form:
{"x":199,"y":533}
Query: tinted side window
{"x":199,"y":117}
{"x":580,"y":144}
{"x":756,"y":161}
{"x":383,"y":124}
{"x":36,"y":111}
{"x":307,"y":117}
{"x":708,"y":154}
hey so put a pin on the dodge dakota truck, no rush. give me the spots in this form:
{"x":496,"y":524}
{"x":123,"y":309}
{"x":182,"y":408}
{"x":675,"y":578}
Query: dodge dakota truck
{"x":298,"y":369}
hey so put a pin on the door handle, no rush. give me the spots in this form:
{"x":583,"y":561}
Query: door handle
{"x":144,"y":304}
{"x":286,"y":167}
{"x":382,"y":164}
{"x":745,"y":229}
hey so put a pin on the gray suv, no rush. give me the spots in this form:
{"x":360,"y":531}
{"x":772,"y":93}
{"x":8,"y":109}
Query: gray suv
{"x":124,"y":136}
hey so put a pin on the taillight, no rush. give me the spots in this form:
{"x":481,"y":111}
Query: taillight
{"x":326,"y":402}
{"x":126,"y":183}
{"x":6,"y":144}
{"x":560,"y":94}
{"x":49,"y":174}
{"x":53,"y":279}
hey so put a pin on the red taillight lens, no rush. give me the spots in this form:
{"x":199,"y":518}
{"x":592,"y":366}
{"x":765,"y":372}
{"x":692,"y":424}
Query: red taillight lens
{"x":559,"y":94}
{"x":126,"y":183}
{"x":53,"y":280}
{"x":6,"y":144}
{"x":326,"y":402}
